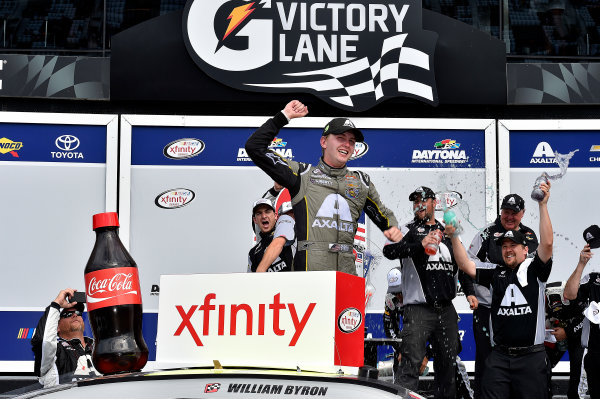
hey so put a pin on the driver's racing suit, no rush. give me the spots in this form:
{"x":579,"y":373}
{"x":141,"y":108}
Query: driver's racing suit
{"x":327,"y":202}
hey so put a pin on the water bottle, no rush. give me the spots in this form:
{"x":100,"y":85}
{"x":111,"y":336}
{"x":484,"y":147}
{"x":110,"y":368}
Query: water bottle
{"x":537,"y":194}
{"x":450,"y":219}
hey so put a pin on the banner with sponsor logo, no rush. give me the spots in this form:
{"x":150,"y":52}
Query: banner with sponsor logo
{"x":57,"y":171}
{"x":311,"y":320}
{"x":528,"y":148}
{"x":192,"y":185}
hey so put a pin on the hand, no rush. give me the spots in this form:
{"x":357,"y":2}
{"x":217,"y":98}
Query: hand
{"x":545,"y":187}
{"x":431,"y":238}
{"x":295,"y":109}
{"x":62,"y":300}
{"x":450,"y":230}
{"x":473,"y":302}
{"x":559,"y":333}
{"x":423,"y":365}
{"x":585,"y":255}
{"x":393,"y":234}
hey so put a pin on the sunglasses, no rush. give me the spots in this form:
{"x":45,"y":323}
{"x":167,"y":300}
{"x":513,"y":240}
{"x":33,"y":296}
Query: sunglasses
{"x":66,"y":315}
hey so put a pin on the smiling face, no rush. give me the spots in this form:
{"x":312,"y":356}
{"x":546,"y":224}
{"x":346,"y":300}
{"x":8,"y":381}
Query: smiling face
{"x":338,"y":148}
{"x":424,"y":209}
{"x":513,"y":254}
{"x":510,"y":219}
{"x":265,"y":218}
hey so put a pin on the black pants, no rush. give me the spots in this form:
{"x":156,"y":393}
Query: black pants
{"x":592,"y":368}
{"x":440,"y":327}
{"x":523,"y":376}
{"x":575,"y":359}
{"x":483,"y":346}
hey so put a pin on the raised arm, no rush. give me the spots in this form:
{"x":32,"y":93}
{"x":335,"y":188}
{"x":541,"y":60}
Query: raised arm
{"x":546,"y":235}
{"x":572,"y":285}
{"x":460,"y":253}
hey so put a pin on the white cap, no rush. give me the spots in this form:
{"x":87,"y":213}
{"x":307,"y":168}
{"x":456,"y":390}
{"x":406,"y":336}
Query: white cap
{"x":261,"y":201}
{"x":394,"y":281}
{"x":593,"y":312}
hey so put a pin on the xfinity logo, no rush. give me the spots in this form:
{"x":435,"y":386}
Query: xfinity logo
{"x":256,"y":316}
{"x":67,"y":144}
{"x":351,"y":54}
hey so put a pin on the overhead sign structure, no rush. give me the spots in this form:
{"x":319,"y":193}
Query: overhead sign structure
{"x":351,"y":55}
{"x":311,"y":320}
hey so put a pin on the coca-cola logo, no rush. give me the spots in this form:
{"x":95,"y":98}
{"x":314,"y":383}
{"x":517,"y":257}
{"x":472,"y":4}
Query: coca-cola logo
{"x":118,"y":282}
{"x":183,"y":148}
{"x":175,"y":198}
{"x":114,"y":286}
{"x":349,"y":320}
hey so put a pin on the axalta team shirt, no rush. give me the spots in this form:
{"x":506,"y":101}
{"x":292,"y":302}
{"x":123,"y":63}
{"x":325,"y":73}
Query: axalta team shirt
{"x":589,"y":291}
{"x":518,"y":301}
{"x":484,"y":248}
{"x":283,"y":263}
{"x":425,"y":279}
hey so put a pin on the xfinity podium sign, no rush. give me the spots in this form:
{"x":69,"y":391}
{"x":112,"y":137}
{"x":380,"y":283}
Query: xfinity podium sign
{"x":350,"y":54}
{"x":311,"y":320}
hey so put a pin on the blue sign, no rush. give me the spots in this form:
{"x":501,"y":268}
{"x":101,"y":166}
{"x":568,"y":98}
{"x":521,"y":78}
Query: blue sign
{"x":224,"y":146}
{"x":536,"y":149}
{"x":21,"y":142}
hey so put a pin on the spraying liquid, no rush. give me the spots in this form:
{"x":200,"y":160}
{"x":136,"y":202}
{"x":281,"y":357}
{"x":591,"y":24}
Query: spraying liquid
{"x":563,"y":163}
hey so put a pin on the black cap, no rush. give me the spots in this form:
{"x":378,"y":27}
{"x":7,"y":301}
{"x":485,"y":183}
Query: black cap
{"x":423,"y":192}
{"x":591,"y":235}
{"x":342,"y":125}
{"x":514,"y":202}
{"x":513,"y":235}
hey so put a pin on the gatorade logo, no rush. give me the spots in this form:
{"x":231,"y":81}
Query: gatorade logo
{"x":514,"y":302}
{"x":334,"y":207}
{"x":8,"y":146}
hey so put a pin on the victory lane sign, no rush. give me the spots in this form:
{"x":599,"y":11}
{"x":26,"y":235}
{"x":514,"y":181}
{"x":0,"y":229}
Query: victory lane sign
{"x":351,"y":55}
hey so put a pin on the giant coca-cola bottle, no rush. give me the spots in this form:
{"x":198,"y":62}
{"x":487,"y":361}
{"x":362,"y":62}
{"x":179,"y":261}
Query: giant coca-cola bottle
{"x":114,"y":301}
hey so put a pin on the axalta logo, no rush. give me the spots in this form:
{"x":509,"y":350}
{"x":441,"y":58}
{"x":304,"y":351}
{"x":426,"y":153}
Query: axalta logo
{"x":258,"y":318}
{"x":360,"y":149}
{"x":514,"y":302}
{"x":183,"y":148}
{"x":352,"y":55}
{"x":334,"y":213}
{"x":67,"y":143}
{"x":277,"y":145}
{"x":8,"y":146}
{"x":349,"y":320}
{"x":445,"y":152}
{"x":175,"y":198}
{"x":543,"y":154}
{"x":595,"y":148}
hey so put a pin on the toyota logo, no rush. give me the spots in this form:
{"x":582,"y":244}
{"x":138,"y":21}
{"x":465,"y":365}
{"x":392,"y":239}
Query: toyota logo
{"x":66,"y":142}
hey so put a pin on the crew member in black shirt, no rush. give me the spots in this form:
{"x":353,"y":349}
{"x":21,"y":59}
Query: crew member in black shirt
{"x":428,"y":287}
{"x":587,"y":290}
{"x":518,"y":365}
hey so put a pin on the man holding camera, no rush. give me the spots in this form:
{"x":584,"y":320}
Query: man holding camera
{"x":62,"y":352}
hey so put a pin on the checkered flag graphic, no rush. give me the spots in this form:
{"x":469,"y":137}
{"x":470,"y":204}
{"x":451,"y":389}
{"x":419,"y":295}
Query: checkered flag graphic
{"x":211,"y":388}
{"x":404,"y":68}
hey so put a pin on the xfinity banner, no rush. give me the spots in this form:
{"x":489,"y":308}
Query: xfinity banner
{"x":311,"y":320}
{"x":351,"y":55}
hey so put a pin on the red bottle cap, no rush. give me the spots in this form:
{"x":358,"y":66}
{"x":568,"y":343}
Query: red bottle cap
{"x":107,"y":219}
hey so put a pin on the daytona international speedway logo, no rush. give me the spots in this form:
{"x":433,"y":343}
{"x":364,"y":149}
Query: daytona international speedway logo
{"x":351,"y":55}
